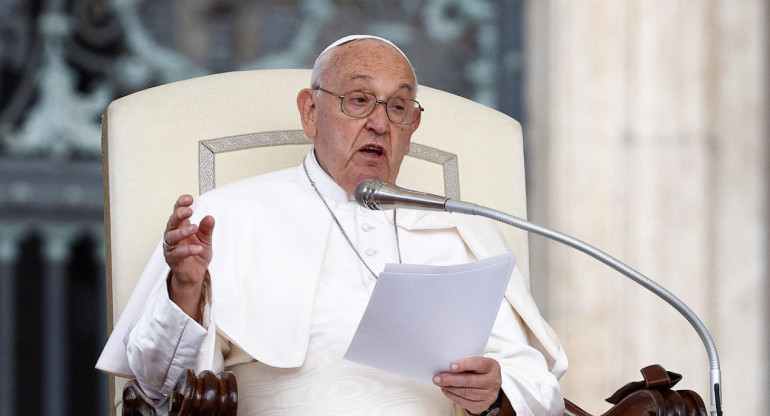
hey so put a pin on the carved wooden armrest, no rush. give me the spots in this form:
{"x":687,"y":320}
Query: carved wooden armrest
{"x":207,"y":394}
{"x":652,"y":396}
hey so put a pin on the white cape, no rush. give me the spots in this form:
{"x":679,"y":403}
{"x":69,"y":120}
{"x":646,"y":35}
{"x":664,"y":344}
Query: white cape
{"x":285,"y":310}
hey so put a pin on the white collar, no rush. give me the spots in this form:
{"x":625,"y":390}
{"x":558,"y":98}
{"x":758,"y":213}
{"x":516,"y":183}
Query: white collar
{"x":326,"y":185}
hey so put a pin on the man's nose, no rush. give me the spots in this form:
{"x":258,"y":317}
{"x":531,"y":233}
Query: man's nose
{"x":378,"y":119}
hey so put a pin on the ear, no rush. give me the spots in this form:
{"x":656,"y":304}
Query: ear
{"x":416,"y":124}
{"x":413,"y":128}
{"x":307,"y":112}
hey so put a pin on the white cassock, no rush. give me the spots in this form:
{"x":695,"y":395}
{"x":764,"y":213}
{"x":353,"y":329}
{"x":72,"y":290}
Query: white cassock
{"x":287,"y":292}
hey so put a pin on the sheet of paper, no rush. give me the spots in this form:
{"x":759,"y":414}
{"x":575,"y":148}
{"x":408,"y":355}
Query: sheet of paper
{"x":422,"y":318}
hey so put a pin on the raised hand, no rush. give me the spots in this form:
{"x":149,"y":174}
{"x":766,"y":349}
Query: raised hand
{"x":188,"y":251}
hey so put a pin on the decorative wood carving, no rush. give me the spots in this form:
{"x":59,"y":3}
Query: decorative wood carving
{"x":204,"y":395}
{"x":653,"y":396}
{"x":212,"y":395}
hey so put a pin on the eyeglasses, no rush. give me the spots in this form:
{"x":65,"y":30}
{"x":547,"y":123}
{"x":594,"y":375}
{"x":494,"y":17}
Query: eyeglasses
{"x":360,"y":104}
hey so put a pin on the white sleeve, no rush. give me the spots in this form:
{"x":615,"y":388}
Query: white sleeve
{"x":165,"y":342}
{"x":530,"y":387}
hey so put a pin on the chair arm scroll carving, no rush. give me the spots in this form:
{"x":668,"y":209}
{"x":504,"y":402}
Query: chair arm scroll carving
{"x":206,"y":394}
{"x":652,"y":396}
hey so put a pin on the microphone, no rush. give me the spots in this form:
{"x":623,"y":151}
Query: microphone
{"x":377,"y":195}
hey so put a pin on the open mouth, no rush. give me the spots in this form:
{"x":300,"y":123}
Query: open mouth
{"x":373,"y":150}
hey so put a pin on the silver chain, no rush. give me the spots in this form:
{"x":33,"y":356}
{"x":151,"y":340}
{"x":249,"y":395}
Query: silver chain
{"x":342,"y":230}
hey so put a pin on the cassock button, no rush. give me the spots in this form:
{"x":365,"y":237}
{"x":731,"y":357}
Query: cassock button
{"x":370,"y":252}
{"x":366,"y":227}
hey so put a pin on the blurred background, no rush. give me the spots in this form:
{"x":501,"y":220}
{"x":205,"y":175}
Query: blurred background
{"x":646,"y":135}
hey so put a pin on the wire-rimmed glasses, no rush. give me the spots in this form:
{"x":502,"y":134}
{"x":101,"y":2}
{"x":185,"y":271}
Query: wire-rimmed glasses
{"x":360,"y":104}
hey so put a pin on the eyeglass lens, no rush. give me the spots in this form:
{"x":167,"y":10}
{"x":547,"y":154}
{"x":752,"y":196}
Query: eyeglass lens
{"x":399,"y":110}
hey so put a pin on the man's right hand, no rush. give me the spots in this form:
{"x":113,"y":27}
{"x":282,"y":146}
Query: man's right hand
{"x":189,"y":256}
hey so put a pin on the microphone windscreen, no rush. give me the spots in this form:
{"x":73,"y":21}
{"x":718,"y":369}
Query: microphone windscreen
{"x":365,"y":193}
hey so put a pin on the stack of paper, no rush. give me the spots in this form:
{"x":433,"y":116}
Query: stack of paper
{"x":422,"y":318}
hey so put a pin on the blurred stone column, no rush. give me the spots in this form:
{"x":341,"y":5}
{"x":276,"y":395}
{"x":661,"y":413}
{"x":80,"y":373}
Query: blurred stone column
{"x":102,"y":396}
{"x":9,"y":252}
{"x":56,"y":250}
{"x":647,"y":138}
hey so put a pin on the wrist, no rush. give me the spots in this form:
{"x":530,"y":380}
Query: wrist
{"x":494,"y":408}
{"x":190,"y":297}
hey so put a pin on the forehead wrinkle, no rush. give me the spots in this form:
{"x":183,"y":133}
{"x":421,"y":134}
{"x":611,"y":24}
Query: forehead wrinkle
{"x":369,"y":79}
{"x":364,"y":77}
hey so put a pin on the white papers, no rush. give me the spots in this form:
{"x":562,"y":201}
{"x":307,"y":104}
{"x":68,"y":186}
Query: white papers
{"x":422,"y":318}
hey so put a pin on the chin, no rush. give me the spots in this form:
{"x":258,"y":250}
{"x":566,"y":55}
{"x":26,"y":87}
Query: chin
{"x":371,"y":175}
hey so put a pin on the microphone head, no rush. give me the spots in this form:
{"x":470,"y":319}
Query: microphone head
{"x":365,"y":193}
{"x":375,"y":194}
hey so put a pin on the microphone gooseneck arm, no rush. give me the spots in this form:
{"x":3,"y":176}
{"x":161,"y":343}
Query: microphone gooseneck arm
{"x":715,"y":373}
{"x":377,"y":195}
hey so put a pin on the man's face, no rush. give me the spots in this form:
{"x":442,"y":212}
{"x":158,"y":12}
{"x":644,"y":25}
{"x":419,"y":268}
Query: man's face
{"x":353,"y":149}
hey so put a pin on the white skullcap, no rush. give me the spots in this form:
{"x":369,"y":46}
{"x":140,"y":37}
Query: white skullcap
{"x":351,"y":38}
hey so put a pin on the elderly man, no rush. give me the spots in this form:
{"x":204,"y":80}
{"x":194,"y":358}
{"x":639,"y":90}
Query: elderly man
{"x":280,"y":300}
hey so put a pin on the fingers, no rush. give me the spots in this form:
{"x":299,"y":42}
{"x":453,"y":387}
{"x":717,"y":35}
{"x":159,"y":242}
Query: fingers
{"x":181,"y":214}
{"x":473,"y":406}
{"x":475,"y":364}
{"x":472,"y":383}
{"x":175,"y":236}
{"x":182,"y":243}
{"x":178,"y":227}
{"x":473,"y":372}
{"x":464,"y":395}
{"x":182,"y":239}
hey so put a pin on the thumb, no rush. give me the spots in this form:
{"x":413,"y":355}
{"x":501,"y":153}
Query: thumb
{"x":206,"y":228}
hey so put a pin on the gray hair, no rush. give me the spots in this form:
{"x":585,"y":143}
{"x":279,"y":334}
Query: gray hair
{"x":321,"y":63}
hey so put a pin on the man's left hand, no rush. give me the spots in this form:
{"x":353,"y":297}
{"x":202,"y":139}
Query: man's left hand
{"x":472,"y":383}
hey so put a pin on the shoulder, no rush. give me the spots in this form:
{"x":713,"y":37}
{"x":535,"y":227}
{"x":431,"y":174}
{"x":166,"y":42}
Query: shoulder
{"x":254,"y":188}
{"x":275,"y":192}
